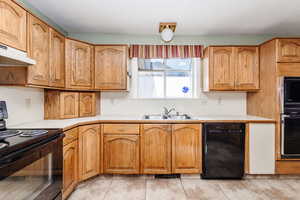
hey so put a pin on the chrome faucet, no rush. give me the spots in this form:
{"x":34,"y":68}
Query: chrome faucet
{"x":166,"y":112}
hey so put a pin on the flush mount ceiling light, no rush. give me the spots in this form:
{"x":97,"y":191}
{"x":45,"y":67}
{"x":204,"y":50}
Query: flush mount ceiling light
{"x":167,"y":30}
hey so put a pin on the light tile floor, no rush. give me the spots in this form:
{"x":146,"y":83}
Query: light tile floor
{"x":186,"y":188}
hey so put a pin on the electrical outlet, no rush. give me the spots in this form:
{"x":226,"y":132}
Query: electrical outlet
{"x":28,"y":102}
{"x":220,"y":100}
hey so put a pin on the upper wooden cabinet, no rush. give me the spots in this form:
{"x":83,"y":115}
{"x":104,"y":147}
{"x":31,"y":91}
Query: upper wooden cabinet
{"x":231,"y":68}
{"x":111,"y":67}
{"x":79,"y":65}
{"x":156,"y":149}
{"x":57,"y":59}
{"x":87,"y":104}
{"x":186,"y":148}
{"x":12,"y":25}
{"x":89,"y":151}
{"x":38,"y":49}
{"x":288,"y":50}
{"x":246,"y":68}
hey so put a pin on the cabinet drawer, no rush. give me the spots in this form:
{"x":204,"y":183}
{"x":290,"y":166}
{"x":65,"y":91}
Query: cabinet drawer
{"x":70,"y":136}
{"x":121,"y":129}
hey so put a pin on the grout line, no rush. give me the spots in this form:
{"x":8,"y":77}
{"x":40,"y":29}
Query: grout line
{"x":224,"y":193}
{"x":184,"y":191}
{"x":145,"y":189}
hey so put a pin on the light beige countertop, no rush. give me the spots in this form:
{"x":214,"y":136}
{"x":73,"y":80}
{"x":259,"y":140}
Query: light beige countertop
{"x":71,"y":123}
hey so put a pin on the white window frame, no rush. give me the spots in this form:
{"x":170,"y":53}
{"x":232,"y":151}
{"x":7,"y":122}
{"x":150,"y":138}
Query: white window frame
{"x":195,"y":73}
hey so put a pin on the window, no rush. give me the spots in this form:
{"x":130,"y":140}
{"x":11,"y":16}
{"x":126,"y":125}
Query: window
{"x":166,"y":78}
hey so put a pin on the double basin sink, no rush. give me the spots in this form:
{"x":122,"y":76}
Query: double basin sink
{"x":167,"y":117}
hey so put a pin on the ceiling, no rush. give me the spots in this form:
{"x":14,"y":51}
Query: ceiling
{"x":193,"y":17}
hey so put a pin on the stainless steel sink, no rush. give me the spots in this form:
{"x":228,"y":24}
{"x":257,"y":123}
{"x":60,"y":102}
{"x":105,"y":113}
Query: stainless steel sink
{"x":170,"y":117}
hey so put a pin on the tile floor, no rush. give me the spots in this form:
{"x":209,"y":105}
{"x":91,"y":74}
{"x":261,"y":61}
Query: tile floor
{"x":186,"y":188}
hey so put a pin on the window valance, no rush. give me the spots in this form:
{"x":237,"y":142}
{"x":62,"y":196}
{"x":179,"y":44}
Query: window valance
{"x":165,"y":51}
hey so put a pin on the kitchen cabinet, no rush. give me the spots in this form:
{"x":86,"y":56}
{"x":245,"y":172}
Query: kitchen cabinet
{"x":111,"y":67}
{"x":121,"y":148}
{"x":87,"y":104}
{"x":156,"y":149}
{"x":261,"y":153}
{"x":66,"y":104}
{"x":89,"y":151}
{"x":121,"y":154}
{"x":70,"y":168}
{"x":57,"y":60}
{"x":79,"y":65}
{"x":229,"y":68}
{"x":288,"y":50}
{"x":13,"y":25}
{"x":186,"y":148}
{"x":38,"y":49}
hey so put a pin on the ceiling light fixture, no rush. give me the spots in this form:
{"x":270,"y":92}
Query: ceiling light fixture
{"x":167,"y":30}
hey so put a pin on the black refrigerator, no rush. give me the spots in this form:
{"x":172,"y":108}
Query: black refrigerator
{"x":223,"y":150}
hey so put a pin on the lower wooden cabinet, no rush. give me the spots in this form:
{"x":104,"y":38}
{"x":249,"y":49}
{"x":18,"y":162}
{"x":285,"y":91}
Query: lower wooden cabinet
{"x":156,"y":149}
{"x":186,"y":149}
{"x":121,"y":154}
{"x":70,"y":168}
{"x":89,"y":151}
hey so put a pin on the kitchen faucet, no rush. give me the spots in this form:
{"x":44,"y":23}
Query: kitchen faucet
{"x":167,"y":111}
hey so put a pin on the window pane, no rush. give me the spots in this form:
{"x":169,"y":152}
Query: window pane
{"x":179,"y":64}
{"x":178,"y":84}
{"x":151,"y":85}
{"x":151,"y":64}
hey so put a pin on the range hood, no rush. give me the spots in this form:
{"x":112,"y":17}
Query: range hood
{"x":13,"y":57}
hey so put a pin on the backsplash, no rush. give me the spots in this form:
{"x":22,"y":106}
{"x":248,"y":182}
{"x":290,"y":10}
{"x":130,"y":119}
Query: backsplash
{"x":23,"y":104}
{"x":213,"y":103}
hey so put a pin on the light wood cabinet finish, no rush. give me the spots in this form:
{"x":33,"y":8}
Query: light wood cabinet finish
{"x":70,"y":136}
{"x":38,"y":49}
{"x":79,"y":65}
{"x":156,"y":149}
{"x":231,"y":68}
{"x":246,"y":68}
{"x":186,"y":148}
{"x":87,"y":104}
{"x":57,"y":59}
{"x":69,"y":105}
{"x":111,"y":67}
{"x":70,"y":168}
{"x":121,"y":129}
{"x":121,"y":154}
{"x":288,"y":50}
{"x":89,"y":151}
{"x":222,"y":73}
{"x":12,"y":25}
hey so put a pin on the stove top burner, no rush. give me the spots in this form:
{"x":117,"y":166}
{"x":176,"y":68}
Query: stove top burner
{"x":3,"y":145}
{"x":32,"y":133}
{"x":9,"y":133}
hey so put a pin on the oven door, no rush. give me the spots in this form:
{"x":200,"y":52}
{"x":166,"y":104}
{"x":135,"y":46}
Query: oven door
{"x":291,"y":136}
{"x":32,"y":173}
{"x":291,"y":91}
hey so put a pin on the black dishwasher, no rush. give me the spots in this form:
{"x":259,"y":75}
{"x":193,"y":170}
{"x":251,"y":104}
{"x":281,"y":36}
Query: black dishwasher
{"x":223,"y":150}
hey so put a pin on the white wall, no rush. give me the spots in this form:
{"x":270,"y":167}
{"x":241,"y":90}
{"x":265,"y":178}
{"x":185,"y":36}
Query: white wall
{"x":23,"y":104}
{"x":212,"y":103}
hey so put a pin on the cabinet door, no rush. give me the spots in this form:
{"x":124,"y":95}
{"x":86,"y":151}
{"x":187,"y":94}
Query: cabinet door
{"x":12,"y":25}
{"x":288,"y":50}
{"x":70,"y":168}
{"x":79,"y":67}
{"x":121,"y":154}
{"x":221,"y":68}
{"x":38,"y":49}
{"x":69,"y":103}
{"x":156,"y":149}
{"x":186,"y":148}
{"x":246,"y":68}
{"x":87,"y":104}
{"x":57,"y":59}
{"x":89,"y":151}
{"x":111,"y":67}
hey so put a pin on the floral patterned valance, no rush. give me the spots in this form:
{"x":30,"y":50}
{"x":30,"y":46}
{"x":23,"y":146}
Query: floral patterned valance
{"x":165,"y":51}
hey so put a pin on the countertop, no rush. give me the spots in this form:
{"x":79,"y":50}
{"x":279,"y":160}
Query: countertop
{"x":71,"y":123}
